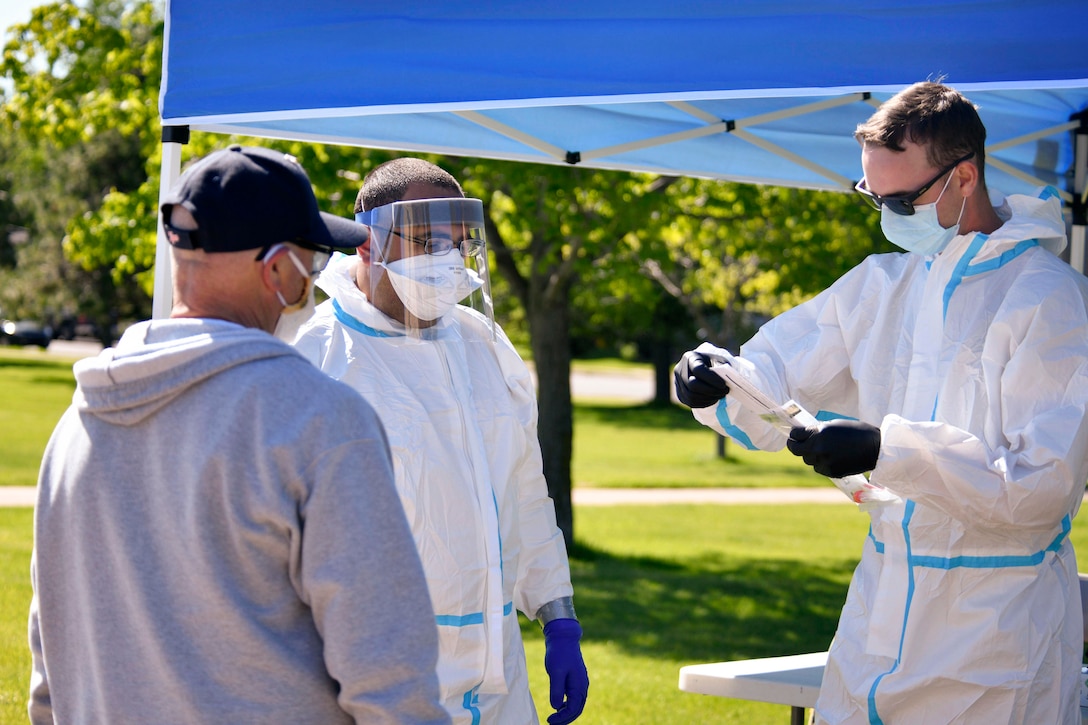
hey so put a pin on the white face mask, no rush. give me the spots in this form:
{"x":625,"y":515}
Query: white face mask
{"x":295,"y":314}
{"x":293,"y":317}
{"x":921,"y":232}
{"x":431,"y":285}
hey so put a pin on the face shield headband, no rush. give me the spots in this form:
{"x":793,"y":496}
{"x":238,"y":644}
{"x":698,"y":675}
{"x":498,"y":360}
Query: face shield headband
{"x":433,"y":254}
{"x":438,"y":225}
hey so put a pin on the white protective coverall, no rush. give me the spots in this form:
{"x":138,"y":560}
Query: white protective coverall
{"x":460,"y":413}
{"x":965,"y":607}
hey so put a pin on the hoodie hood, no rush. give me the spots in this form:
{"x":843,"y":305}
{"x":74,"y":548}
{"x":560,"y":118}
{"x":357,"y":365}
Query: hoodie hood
{"x":157,"y":360}
{"x":1037,"y":217}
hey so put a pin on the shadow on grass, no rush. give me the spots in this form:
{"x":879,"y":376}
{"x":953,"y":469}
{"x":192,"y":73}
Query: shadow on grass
{"x":710,"y":608}
{"x":17,"y":362}
{"x":31,"y":371}
{"x":643,"y":415}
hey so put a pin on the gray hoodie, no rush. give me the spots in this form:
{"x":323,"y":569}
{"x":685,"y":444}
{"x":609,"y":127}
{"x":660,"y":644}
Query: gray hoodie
{"x":218,"y":539}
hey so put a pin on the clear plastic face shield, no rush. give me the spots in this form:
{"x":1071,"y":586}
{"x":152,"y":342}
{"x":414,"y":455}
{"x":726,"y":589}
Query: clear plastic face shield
{"x":427,"y":266}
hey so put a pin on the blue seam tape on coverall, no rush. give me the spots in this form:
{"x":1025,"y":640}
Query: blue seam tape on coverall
{"x":466,"y":620}
{"x":469,"y":703}
{"x":943,"y":562}
{"x":874,"y":717}
{"x":731,"y":430}
{"x":349,"y":321}
{"x":963,"y":269}
{"x":741,"y":437}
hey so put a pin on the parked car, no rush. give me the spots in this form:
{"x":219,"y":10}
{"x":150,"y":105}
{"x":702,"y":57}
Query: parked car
{"x":24,"y":332}
{"x":84,"y":327}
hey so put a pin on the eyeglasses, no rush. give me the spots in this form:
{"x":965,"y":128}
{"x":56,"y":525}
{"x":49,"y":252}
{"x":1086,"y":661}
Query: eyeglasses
{"x":903,"y":204}
{"x":442,"y":245}
{"x":320,"y":259}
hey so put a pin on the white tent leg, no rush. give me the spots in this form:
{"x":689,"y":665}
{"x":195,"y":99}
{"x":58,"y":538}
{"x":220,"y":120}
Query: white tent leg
{"x":169,"y":172}
{"x":1077,"y":241}
{"x":1076,"y":249}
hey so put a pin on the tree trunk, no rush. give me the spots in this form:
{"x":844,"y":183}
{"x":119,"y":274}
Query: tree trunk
{"x":668,"y":328}
{"x":661,"y":355}
{"x":550,"y":331}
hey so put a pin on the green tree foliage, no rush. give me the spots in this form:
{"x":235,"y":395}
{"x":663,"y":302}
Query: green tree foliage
{"x":83,"y":116}
{"x":736,"y":254}
{"x":610,"y":256}
{"x":12,"y":222}
{"x":559,"y":235}
{"x":86,"y":83}
{"x":583,"y":260}
{"x":78,"y":71}
{"x":53,"y":187}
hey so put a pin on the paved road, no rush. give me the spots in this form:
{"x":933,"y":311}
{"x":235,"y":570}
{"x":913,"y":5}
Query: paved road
{"x":636,"y":386}
{"x":659,"y":496}
{"x":17,"y":495}
{"x":74,"y":348}
{"x":25,"y":496}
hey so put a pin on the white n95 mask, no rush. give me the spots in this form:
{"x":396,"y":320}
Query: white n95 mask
{"x":293,"y":317}
{"x":431,"y":285}
{"x":295,"y":314}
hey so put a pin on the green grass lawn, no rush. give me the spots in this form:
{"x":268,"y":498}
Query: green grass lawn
{"x":618,"y":445}
{"x":615,"y":444}
{"x":16,"y":539}
{"x":35,"y":388}
{"x":656,"y":587}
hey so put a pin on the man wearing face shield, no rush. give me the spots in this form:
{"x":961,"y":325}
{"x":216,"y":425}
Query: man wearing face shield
{"x":409,"y":325}
{"x":957,"y":374}
{"x":218,"y":536}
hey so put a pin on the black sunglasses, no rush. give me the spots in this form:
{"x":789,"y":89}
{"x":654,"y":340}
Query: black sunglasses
{"x":903,"y":204}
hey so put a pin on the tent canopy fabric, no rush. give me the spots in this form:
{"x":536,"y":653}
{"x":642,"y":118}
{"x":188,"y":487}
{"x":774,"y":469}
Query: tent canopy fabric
{"x":763,"y":91}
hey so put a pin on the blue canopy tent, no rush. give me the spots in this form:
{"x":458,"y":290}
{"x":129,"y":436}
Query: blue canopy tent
{"x":760,"y":91}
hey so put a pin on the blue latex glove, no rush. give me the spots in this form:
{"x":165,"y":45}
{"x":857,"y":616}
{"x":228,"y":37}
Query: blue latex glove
{"x":567,"y":671}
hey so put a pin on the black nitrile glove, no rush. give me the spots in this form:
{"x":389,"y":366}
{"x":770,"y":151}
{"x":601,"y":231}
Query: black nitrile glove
{"x":697,"y":386}
{"x":837,"y":448}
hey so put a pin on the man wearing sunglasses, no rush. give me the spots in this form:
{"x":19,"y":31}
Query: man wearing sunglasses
{"x":957,"y":374}
{"x":218,"y":536}
{"x":410,"y":326}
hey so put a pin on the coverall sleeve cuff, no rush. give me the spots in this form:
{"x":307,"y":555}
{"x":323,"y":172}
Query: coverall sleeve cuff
{"x":561,"y":608}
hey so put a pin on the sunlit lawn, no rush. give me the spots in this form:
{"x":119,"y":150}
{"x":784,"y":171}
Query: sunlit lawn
{"x":656,"y":587}
{"x":615,"y":444}
{"x":621,"y":445}
{"x":35,"y":388}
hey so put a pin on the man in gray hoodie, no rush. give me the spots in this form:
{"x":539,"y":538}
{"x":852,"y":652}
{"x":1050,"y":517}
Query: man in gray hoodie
{"x":217,"y":535}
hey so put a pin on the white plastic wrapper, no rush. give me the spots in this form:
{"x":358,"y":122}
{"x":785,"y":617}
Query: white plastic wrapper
{"x":787,"y":416}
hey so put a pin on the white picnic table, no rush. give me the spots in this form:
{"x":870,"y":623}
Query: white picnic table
{"x":792,"y":680}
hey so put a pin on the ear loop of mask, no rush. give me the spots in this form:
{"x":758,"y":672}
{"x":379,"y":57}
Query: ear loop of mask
{"x":294,"y":306}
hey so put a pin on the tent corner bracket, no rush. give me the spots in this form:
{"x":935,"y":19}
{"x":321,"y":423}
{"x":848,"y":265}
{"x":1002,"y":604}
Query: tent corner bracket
{"x":175,"y":134}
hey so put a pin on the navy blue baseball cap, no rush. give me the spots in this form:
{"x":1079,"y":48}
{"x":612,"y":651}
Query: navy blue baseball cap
{"x":248,"y":197}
